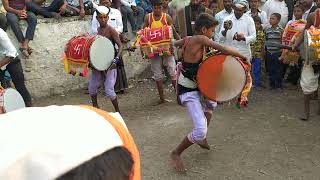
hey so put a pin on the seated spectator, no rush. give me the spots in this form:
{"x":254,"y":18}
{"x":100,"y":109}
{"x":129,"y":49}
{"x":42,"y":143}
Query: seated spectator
{"x":255,"y":11}
{"x":135,"y":14}
{"x":145,"y":4}
{"x":77,"y":7}
{"x":3,"y":18}
{"x":55,"y":146}
{"x":55,"y":9}
{"x":16,"y":11}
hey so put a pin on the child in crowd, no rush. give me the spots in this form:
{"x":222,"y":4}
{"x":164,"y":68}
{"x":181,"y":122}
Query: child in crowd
{"x":109,"y":77}
{"x":145,"y":4}
{"x":288,"y":39}
{"x":273,"y":35}
{"x":257,"y":49}
{"x":158,"y":19}
{"x":213,"y":6}
{"x":188,"y":92}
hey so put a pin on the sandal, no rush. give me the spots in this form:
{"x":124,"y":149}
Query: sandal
{"x":24,"y":51}
{"x":30,"y":50}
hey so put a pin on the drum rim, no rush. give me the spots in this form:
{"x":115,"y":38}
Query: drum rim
{"x":17,"y":93}
{"x":229,"y":99}
{"x":112,"y":49}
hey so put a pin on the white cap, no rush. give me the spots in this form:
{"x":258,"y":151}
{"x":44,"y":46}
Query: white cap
{"x":42,"y":143}
{"x":103,"y":10}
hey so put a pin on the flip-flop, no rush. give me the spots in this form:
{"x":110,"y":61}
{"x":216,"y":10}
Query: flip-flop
{"x":24,"y":51}
{"x":30,"y":50}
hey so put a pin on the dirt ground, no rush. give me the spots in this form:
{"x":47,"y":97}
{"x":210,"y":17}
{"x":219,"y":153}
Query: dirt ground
{"x":264,"y":141}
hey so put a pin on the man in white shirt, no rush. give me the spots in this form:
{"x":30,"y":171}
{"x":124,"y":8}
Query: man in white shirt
{"x":220,"y":16}
{"x":255,"y":11}
{"x":239,"y":36}
{"x":277,"y":6}
{"x":12,"y":63}
{"x":242,"y":32}
{"x":135,"y":14}
{"x":115,"y":18}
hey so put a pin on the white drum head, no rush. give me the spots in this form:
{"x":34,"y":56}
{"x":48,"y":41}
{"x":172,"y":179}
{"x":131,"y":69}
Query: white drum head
{"x":232,"y":81}
{"x":101,"y":53}
{"x":12,"y":100}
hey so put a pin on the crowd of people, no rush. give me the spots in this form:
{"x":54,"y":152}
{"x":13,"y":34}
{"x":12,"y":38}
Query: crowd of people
{"x":252,"y":30}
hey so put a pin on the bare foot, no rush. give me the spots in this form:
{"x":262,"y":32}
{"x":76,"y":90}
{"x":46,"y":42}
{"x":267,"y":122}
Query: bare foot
{"x":304,"y":117}
{"x":161,"y":101}
{"x":204,"y":144}
{"x":177,"y":162}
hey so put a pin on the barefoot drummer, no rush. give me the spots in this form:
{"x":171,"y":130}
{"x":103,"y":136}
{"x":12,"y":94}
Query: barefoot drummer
{"x":109,"y":76}
{"x":188,"y":92}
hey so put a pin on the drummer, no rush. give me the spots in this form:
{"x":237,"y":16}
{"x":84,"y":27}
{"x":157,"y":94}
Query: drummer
{"x":109,"y":77}
{"x":115,"y":21}
{"x":309,"y":79}
{"x":158,"y":20}
{"x":12,"y":63}
{"x":188,"y":92}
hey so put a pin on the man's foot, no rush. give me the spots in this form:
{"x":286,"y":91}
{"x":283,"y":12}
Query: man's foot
{"x":304,"y":117}
{"x":177,"y":162}
{"x":24,"y":52}
{"x":204,"y":144}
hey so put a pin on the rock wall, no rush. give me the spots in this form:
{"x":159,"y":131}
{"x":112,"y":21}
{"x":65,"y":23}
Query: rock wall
{"x":44,"y":72}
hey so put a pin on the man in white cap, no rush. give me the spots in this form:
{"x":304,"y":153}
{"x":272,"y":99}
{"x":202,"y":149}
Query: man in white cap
{"x":66,"y":143}
{"x":239,"y":31}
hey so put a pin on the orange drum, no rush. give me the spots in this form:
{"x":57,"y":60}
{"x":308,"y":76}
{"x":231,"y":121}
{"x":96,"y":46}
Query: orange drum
{"x":82,"y":50}
{"x":221,"y":77}
{"x":155,"y":42}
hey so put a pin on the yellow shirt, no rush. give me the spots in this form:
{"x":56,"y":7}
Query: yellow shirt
{"x":158,"y":24}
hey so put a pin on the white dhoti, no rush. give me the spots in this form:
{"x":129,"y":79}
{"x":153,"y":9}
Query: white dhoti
{"x":309,"y":80}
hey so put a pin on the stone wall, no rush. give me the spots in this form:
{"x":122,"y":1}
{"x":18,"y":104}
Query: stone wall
{"x":44,"y":72}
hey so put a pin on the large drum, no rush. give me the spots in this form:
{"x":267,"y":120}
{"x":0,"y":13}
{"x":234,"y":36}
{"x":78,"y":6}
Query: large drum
{"x":221,"y":78}
{"x":82,"y":50}
{"x":155,"y":42}
{"x":10,"y":100}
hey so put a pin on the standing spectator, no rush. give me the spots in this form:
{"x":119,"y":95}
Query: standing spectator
{"x":115,"y":18}
{"x":309,"y":7}
{"x":242,"y":32}
{"x":3,"y":18}
{"x":12,"y":64}
{"x":255,"y":11}
{"x":191,"y":12}
{"x":290,"y":4}
{"x":135,"y":14}
{"x":55,"y":9}
{"x":239,"y":35}
{"x":220,"y":16}
{"x":213,"y":6}
{"x":277,"y":6}
{"x":273,"y":35}
{"x":116,"y":4}
{"x":172,"y":12}
{"x":145,"y":4}
{"x":257,"y":49}
{"x":16,"y":11}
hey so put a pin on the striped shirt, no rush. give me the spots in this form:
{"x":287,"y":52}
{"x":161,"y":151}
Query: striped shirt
{"x":273,"y":35}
